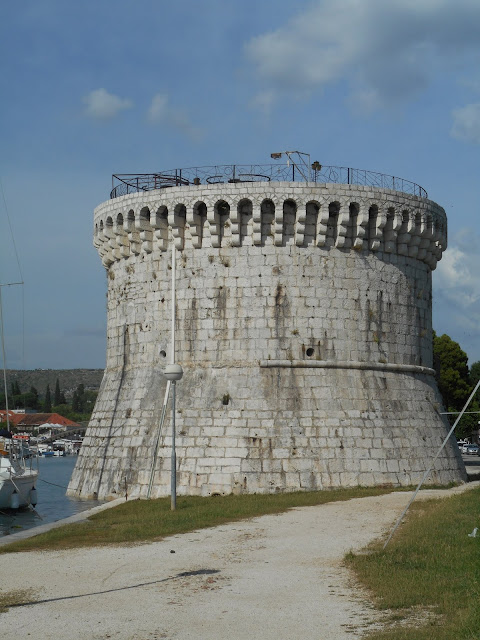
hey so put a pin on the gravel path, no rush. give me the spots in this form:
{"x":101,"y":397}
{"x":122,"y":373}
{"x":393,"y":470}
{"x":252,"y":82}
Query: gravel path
{"x":270,"y":578}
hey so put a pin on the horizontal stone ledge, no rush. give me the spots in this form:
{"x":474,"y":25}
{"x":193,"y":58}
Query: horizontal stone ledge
{"x":345,"y":364}
{"x":290,"y":364}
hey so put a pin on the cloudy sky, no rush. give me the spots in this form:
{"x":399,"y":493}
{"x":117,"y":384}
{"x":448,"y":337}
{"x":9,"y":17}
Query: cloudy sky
{"x":94,"y":88}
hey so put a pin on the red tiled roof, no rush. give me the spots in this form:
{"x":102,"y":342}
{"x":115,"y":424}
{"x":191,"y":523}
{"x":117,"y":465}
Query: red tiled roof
{"x":13,"y":418}
{"x":36,"y":419}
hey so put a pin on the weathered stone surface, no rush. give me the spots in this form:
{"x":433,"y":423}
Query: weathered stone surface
{"x":304,"y":330}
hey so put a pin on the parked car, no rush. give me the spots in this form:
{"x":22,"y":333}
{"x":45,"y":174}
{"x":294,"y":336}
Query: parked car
{"x":472,"y":449}
{"x":465,"y":446}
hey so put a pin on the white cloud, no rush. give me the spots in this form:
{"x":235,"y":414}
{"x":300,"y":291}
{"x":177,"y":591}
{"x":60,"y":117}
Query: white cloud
{"x":456,"y":292}
{"x":456,"y":275}
{"x":158,"y":109}
{"x":101,"y":105}
{"x":466,"y":123}
{"x":386,"y":51}
{"x":264,"y":101}
{"x":160,"y":112}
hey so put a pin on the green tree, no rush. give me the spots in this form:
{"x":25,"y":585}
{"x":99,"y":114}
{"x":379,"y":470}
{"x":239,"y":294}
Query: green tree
{"x":453,"y":376}
{"x":475,"y":373}
{"x":15,"y":388}
{"x":89,"y":401}
{"x":57,"y":395}
{"x":47,"y":404}
{"x":75,"y":401}
{"x":17,"y":399}
{"x":454,"y":383}
{"x":26,"y":400}
{"x":35,"y":399}
{"x":83,"y":402}
{"x":81,"y":399}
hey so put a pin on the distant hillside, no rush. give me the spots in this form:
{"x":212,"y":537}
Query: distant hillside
{"x":69,"y":379}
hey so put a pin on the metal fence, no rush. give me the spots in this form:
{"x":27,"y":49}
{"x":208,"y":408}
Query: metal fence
{"x":122,"y":184}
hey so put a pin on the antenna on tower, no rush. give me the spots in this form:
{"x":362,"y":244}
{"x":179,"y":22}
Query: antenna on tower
{"x":300,"y":161}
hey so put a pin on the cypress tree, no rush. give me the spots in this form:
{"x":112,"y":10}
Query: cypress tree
{"x":81,"y":398}
{"x":14,"y":388}
{"x":36,"y":402}
{"x":47,"y":405}
{"x":75,"y":401}
{"x":57,"y":398}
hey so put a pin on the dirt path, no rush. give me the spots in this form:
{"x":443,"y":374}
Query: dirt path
{"x":270,"y":578}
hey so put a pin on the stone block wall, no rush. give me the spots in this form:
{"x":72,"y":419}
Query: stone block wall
{"x":304,"y":330}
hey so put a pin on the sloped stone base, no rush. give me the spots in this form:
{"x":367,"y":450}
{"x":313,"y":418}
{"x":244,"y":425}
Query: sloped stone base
{"x":281,"y":429}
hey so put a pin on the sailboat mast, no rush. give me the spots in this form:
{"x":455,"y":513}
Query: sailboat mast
{"x":4,"y":359}
{"x":2,"y":339}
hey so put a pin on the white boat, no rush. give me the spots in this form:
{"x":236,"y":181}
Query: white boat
{"x":17,"y":476}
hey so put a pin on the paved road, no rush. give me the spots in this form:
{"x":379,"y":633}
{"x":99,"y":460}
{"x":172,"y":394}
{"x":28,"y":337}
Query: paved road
{"x":276,"y":578}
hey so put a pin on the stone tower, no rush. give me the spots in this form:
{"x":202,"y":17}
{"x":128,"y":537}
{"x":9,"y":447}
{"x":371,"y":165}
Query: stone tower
{"x":303,"y":327}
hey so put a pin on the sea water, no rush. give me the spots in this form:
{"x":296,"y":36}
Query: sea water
{"x":53,"y":503}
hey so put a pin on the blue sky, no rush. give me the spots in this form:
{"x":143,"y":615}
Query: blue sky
{"x":95,"y":88}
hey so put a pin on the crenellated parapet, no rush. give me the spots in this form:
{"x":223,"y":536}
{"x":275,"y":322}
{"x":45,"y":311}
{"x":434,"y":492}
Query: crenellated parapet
{"x":349,"y":217}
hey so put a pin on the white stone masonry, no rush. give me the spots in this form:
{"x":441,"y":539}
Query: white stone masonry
{"x":304,"y":330}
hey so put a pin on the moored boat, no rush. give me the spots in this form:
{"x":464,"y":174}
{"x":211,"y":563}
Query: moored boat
{"x":17,"y":476}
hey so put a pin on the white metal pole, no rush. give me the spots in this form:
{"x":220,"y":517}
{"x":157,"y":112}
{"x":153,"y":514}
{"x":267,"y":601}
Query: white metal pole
{"x":2,"y":334}
{"x":173,"y":479}
{"x":157,"y":439}
{"x":4,"y":360}
{"x":173,"y":472}
{"x":172,"y":361}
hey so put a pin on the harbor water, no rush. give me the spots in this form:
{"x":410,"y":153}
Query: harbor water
{"x":53,"y":503}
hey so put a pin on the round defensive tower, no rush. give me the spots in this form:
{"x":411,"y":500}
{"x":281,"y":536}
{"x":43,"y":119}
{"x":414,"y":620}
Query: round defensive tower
{"x":303,"y":325}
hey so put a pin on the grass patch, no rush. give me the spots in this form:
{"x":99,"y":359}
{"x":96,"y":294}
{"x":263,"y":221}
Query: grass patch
{"x":429,"y":573}
{"x":12,"y":598}
{"x":148,"y":520}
